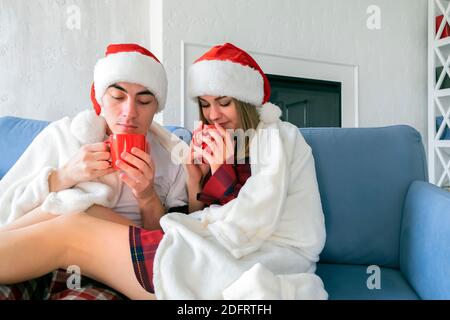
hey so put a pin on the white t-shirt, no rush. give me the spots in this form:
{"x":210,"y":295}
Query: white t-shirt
{"x":169,"y":183}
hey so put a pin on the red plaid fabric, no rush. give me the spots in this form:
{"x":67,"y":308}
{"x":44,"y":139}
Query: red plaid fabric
{"x":224,"y":185}
{"x":36,"y":289}
{"x":143,"y":245}
{"x":89,"y":289}
{"x":53,"y":286}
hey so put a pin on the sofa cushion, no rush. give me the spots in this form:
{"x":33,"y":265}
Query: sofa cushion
{"x":349,"y":282}
{"x":425,"y":240}
{"x":363,"y":176}
{"x":17,"y":134}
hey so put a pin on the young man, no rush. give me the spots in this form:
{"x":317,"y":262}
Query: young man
{"x":67,"y":167}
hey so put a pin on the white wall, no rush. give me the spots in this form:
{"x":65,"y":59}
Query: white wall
{"x":392,"y":61}
{"x":45,"y":67}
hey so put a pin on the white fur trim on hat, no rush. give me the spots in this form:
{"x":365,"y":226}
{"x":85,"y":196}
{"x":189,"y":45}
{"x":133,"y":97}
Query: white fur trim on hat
{"x":225,"y":78}
{"x":269,"y":112}
{"x":131,"y":67}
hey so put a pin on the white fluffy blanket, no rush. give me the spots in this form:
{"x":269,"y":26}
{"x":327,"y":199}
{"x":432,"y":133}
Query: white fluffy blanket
{"x":265,"y":243}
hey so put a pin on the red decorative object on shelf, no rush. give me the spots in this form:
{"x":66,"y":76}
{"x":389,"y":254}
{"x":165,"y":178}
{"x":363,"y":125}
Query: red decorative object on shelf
{"x":446,"y":31}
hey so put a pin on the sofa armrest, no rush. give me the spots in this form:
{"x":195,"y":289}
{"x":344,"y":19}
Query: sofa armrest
{"x":425,"y":240}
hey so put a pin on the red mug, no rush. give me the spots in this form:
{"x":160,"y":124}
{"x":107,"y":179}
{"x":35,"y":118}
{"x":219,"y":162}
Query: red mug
{"x":121,"y":142}
{"x":199,"y":133}
{"x":197,"y":137}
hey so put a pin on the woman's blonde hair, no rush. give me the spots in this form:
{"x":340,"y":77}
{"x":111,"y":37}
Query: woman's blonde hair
{"x":248,"y":117}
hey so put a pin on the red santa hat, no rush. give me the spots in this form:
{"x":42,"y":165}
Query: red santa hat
{"x":129,"y":63}
{"x":226,"y":70}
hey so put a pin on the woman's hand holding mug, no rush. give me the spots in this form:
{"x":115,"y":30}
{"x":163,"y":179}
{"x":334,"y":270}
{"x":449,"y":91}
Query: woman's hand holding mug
{"x":217,"y":147}
{"x":196,"y":168}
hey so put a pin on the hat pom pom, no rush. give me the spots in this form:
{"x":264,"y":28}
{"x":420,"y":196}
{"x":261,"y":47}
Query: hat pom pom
{"x":88,"y":127}
{"x":269,"y":113}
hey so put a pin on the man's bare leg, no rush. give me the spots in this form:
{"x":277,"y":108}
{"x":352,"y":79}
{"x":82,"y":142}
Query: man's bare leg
{"x":99,"y":248}
{"x":32,"y":217}
{"x":38,"y":215}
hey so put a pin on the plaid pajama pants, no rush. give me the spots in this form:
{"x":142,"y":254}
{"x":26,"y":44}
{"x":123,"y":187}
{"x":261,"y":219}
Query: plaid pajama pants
{"x":143,"y":246}
{"x":53,"y":286}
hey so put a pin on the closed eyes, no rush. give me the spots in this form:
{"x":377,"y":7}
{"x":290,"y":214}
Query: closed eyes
{"x":118,"y":98}
{"x":221,"y":103}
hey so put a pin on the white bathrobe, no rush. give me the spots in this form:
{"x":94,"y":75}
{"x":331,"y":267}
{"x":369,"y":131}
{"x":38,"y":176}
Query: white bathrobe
{"x":262,"y":245}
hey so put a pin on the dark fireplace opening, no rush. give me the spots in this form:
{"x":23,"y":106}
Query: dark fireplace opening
{"x":307,"y":102}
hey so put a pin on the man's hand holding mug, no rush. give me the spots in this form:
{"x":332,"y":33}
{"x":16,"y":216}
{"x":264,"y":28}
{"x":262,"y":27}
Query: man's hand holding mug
{"x":130,"y":155}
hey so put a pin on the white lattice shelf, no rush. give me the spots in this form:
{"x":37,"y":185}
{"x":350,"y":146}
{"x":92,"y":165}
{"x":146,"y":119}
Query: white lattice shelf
{"x":438,"y":93}
{"x":442,"y":93}
{"x":442,"y":143}
{"x":442,"y":42}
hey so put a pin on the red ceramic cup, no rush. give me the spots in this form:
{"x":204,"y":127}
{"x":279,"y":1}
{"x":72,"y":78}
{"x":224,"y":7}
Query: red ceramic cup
{"x":121,"y":142}
{"x":198,"y":135}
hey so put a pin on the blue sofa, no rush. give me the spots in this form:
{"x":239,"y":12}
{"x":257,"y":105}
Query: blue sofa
{"x":388,"y":230}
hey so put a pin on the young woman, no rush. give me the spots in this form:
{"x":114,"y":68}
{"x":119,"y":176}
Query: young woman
{"x":256,"y":226}
{"x":262,"y":228}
